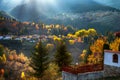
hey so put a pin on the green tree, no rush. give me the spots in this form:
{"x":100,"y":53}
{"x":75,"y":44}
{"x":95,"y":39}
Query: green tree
{"x":39,"y":60}
{"x":4,"y":31}
{"x":111,"y":37}
{"x":52,"y":72}
{"x":62,"y":56}
{"x":106,"y":46}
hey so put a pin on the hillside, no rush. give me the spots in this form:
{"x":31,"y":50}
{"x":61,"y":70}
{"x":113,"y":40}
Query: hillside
{"x":79,"y":14}
{"x":7,"y":15}
{"x":102,"y":21}
{"x":9,"y":25}
{"x":44,"y":12}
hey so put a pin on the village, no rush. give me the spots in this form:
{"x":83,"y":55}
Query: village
{"x":87,"y":64}
{"x":29,"y":38}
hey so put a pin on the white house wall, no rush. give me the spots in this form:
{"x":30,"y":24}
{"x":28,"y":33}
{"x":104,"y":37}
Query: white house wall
{"x":108,"y":59}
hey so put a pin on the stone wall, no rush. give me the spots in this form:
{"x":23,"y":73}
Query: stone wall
{"x":82,"y":76}
{"x":110,"y":71}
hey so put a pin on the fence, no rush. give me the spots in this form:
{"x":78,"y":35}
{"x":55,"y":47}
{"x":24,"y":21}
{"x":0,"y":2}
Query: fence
{"x":83,"y":69}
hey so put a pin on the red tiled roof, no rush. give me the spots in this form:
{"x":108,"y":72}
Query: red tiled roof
{"x":110,"y":51}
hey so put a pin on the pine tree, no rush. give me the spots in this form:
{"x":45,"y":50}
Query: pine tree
{"x":39,"y":60}
{"x":62,"y":56}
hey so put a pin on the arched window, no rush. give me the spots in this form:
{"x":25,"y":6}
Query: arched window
{"x":115,"y":58}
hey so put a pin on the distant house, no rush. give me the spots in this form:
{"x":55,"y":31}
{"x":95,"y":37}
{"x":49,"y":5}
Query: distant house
{"x":18,"y":39}
{"x":112,"y":58}
{"x":7,"y":38}
{"x":28,"y":39}
{"x":32,"y":41}
{"x":1,"y":37}
{"x":117,"y":34}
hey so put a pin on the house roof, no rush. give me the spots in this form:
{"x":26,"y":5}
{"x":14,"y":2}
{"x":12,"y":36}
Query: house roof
{"x":110,"y":51}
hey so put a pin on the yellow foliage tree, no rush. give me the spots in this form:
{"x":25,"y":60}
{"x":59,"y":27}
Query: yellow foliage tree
{"x":55,"y":38}
{"x":82,"y":56}
{"x":3,"y":58}
{"x":81,"y":33}
{"x":71,"y":42}
{"x":115,"y":44}
{"x":22,"y":75}
{"x":97,"y":52}
{"x":92,"y":32}
{"x":85,"y":33}
{"x":71,"y":35}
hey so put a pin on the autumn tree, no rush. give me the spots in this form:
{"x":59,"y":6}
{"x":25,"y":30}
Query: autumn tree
{"x":71,"y":42}
{"x":92,"y":32}
{"x":39,"y":60}
{"x":3,"y":58}
{"x":92,"y":35}
{"x":81,"y":33}
{"x":83,"y":56}
{"x":62,"y":56}
{"x":86,"y":35}
{"x":115,"y":44}
{"x":52,"y":72}
{"x":1,"y":50}
{"x":96,"y":52}
{"x":119,"y":46}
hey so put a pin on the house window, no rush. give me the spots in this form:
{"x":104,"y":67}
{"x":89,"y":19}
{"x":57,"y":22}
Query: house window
{"x":115,"y":58}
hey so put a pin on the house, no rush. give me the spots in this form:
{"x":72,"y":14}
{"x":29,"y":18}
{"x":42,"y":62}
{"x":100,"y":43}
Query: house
{"x":18,"y":39}
{"x":110,"y":67}
{"x":7,"y":38}
{"x":32,"y":41}
{"x":112,"y":58}
{"x":1,"y":37}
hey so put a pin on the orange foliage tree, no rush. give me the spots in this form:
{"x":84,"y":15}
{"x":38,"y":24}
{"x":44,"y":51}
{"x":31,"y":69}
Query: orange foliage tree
{"x":115,"y":45}
{"x":97,"y":52}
